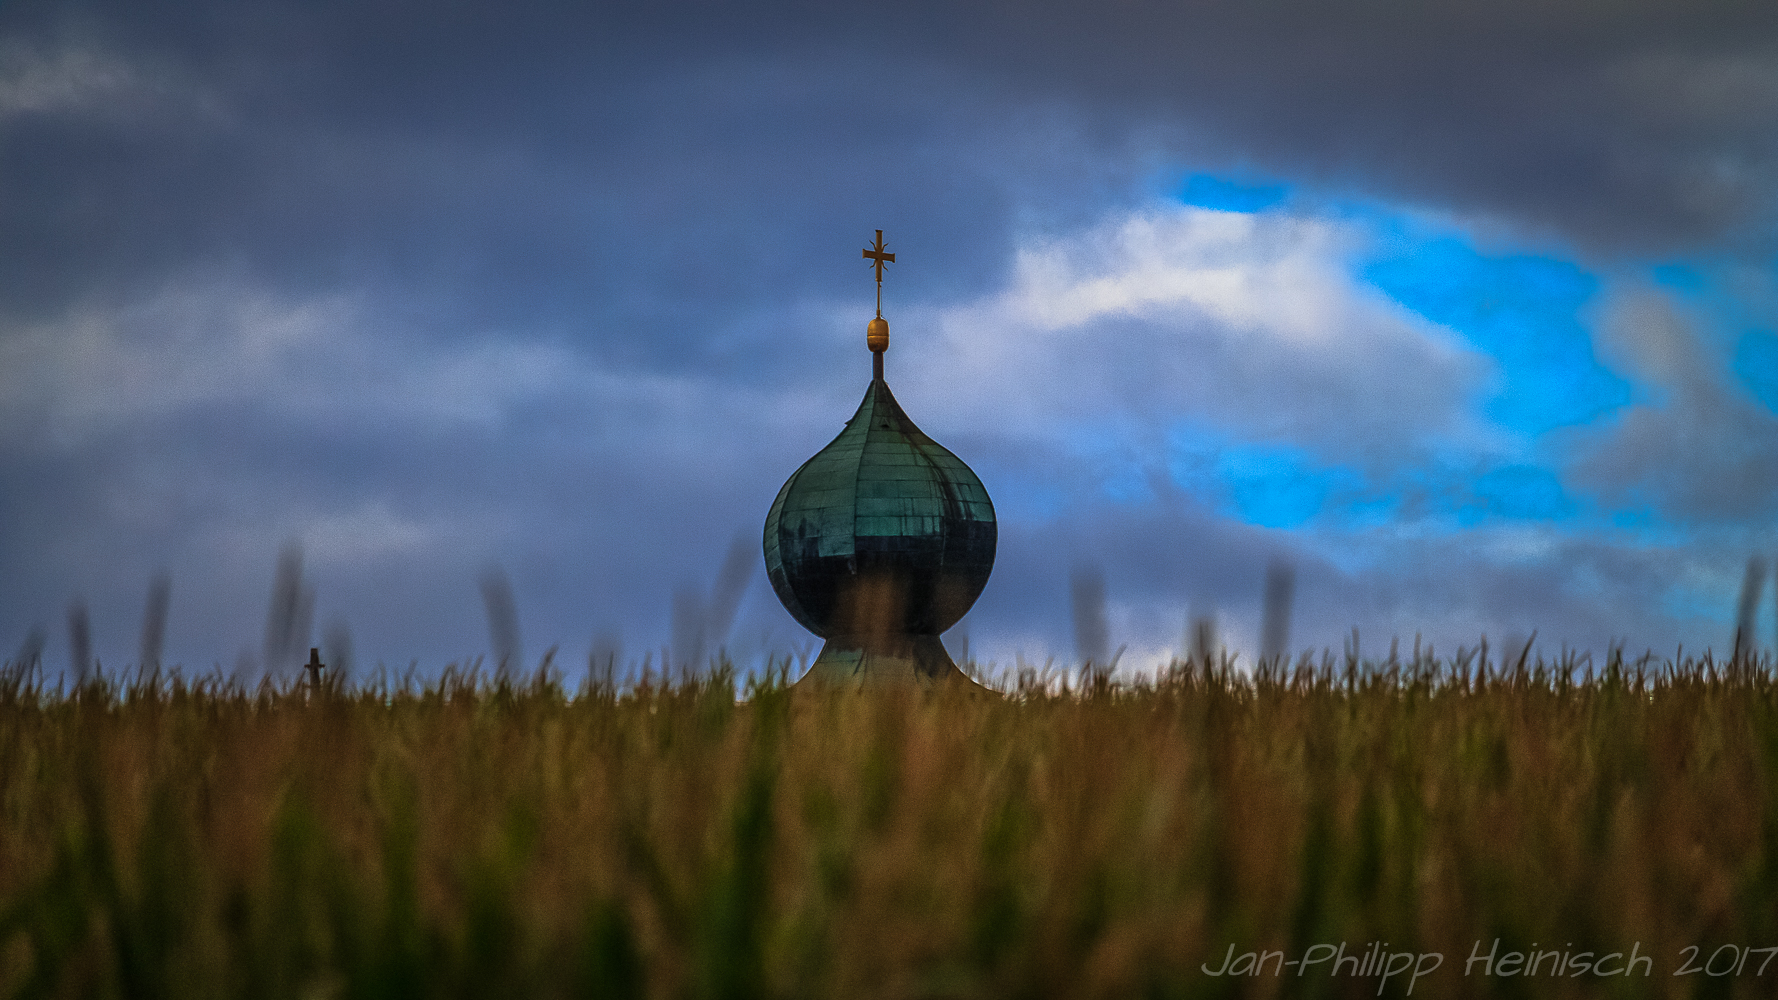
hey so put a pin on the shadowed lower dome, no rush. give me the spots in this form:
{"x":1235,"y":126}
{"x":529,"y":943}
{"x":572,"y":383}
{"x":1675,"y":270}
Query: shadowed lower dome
{"x":880,"y":542}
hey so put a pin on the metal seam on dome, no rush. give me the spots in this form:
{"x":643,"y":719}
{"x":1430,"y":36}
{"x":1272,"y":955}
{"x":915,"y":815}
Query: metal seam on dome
{"x":870,"y":400}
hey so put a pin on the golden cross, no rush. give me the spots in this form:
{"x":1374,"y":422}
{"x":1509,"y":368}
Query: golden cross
{"x":879,"y":258}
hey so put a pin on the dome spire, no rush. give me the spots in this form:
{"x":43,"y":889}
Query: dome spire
{"x":877,"y":334}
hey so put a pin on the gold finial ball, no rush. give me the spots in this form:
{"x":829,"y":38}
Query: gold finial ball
{"x":877,"y":335}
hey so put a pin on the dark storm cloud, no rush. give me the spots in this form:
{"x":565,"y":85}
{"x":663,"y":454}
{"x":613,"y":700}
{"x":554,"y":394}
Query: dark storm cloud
{"x":1642,"y":122}
{"x":324,"y":144}
{"x":594,"y":176}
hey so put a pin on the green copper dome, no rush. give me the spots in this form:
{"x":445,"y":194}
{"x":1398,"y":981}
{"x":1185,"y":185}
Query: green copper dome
{"x":880,"y":542}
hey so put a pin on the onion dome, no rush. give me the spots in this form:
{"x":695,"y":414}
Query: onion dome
{"x":880,"y":542}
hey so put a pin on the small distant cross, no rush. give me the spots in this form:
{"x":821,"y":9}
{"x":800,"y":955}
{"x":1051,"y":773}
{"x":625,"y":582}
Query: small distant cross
{"x":314,"y":667}
{"x":879,"y":258}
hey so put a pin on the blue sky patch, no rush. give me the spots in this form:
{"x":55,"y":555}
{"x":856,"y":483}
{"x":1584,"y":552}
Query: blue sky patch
{"x":1273,"y":486}
{"x":1225,"y":195}
{"x":1756,"y":362}
{"x":1517,"y":493}
{"x":1523,"y":311}
{"x":1679,"y":277}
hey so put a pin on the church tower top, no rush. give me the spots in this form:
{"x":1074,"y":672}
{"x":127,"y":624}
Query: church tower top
{"x":882,"y":540}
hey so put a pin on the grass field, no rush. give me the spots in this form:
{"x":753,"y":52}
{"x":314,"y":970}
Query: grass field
{"x":1187,"y":836}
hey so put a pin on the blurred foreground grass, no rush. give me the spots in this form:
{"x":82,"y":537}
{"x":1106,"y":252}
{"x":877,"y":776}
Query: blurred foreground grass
{"x":183,"y":838}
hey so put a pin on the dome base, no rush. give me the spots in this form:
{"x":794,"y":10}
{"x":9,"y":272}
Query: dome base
{"x":885,"y":661}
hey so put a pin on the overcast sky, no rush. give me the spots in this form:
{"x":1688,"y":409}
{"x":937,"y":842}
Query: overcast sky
{"x":1467,"y":310}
